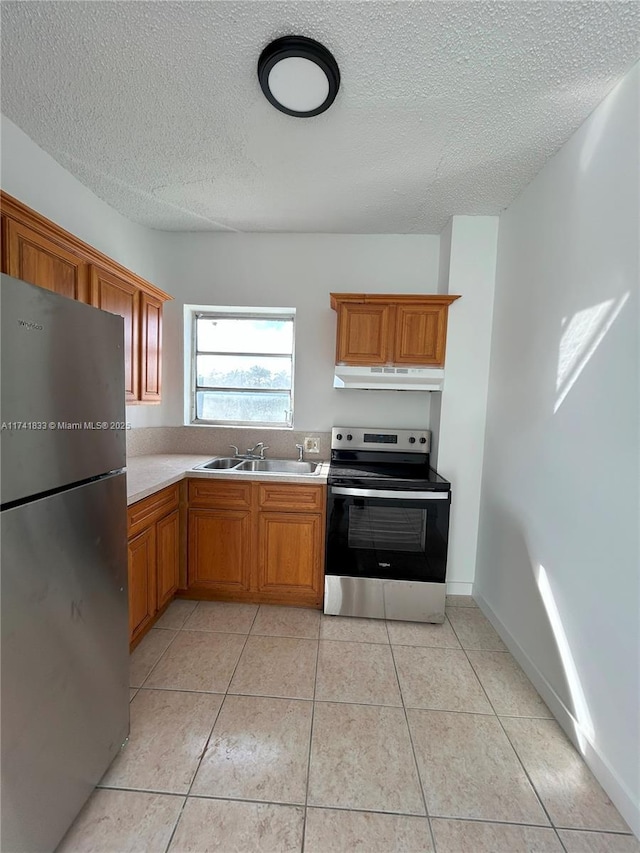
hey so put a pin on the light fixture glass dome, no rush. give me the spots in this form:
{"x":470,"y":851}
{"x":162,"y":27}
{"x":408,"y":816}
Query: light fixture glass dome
{"x":298,"y":76}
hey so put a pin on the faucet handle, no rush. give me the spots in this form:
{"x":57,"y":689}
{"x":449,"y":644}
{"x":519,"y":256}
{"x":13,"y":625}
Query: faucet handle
{"x":300,"y":449}
{"x":236,"y":450}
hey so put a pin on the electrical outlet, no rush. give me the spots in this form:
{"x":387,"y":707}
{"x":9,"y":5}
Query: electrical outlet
{"x":312,"y":445}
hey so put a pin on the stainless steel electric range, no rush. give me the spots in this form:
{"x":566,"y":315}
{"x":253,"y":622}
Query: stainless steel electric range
{"x":387,"y":526}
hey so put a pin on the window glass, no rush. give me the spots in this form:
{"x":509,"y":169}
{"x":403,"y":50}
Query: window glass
{"x":243,"y":369}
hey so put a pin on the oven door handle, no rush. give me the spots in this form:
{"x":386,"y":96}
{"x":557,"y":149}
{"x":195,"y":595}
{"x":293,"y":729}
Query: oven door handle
{"x":389,"y":493}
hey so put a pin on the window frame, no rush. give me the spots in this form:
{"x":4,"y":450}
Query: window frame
{"x":230,"y":313}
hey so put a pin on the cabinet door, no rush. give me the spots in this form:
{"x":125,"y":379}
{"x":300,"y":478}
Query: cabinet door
{"x":421,"y":334}
{"x":220,"y":549}
{"x":151,"y":351}
{"x":290,"y":556}
{"x":364,"y":334}
{"x":291,"y":496}
{"x":142,"y":580}
{"x":168,"y":556}
{"x":113,"y":293}
{"x":32,"y":257}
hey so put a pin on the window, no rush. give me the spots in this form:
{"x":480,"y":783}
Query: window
{"x":242,"y":368}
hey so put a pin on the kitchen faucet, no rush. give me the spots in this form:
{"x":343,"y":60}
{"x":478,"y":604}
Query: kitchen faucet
{"x":300,"y":449}
{"x":255,"y":452}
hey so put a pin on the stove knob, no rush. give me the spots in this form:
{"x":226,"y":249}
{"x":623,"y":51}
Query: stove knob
{"x":339,"y":436}
{"x":412,"y":440}
{"x":349,"y":437}
{"x":423,"y":440}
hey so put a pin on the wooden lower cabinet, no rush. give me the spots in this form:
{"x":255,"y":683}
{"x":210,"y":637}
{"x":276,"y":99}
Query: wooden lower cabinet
{"x":268,"y":548}
{"x":168,"y":557}
{"x":220,"y":549}
{"x":289,"y":556}
{"x":154,"y":557}
{"x":142,"y":581}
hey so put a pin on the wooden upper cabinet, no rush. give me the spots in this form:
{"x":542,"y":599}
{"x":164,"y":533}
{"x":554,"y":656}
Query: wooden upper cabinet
{"x":151,"y":349}
{"x":37,"y":250}
{"x":364,"y":333}
{"x":377,"y":329}
{"x":32,"y":257}
{"x":118,"y":296}
{"x":420,"y":335}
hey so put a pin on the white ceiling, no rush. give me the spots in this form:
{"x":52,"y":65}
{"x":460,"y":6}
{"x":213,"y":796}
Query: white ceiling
{"x":444,"y":107}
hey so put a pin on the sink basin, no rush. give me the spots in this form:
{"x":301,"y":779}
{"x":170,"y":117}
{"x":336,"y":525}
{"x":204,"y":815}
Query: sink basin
{"x":264,"y":466}
{"x":279,"y":466}
{"x":222,"y":462}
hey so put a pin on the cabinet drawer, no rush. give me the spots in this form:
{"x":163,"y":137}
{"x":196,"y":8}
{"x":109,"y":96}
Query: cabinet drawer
{"x":223,"y":494}
{"x":149,"y":510}
{"x":291,"y":496}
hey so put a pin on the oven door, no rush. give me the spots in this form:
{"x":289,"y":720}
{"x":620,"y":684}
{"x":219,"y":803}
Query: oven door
{"x":387,"y":534}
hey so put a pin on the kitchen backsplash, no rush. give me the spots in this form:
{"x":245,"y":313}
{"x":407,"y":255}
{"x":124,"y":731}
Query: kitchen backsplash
{"x":281,"y":443}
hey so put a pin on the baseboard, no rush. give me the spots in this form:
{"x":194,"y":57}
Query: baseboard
{"x":618,"y":792}
{"x":459,"y":588}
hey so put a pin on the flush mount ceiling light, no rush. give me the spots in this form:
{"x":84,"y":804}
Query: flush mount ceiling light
{"x":298,"y":76}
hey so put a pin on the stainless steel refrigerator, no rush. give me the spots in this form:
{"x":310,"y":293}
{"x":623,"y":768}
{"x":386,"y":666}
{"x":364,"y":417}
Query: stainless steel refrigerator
{"x":63,"y":570}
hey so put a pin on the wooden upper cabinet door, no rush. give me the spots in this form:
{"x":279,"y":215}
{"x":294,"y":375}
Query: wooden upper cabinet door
{"x":420,"y":334}
{"x":364,"y":333}
{"x":220,"y":549}
{"x":32,"y":257}
{"x":290,"y":555}
{"x":113,"y":293}
{"x":168,"y":556}
{"x":142,"y":580}
{"x":151,"y":353}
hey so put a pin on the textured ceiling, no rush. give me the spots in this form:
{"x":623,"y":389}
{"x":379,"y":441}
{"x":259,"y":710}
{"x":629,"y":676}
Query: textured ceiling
{"x":444,"y":108}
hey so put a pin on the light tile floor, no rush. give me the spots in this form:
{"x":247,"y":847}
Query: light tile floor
{"x":279,"y":730}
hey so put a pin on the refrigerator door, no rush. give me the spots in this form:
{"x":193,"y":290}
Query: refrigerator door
{"x":65,"y":656}
{"x":62,"y":410}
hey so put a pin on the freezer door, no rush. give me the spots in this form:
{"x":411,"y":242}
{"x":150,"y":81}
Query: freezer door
{"x":65,"y":655}
{"x":62,"y":380}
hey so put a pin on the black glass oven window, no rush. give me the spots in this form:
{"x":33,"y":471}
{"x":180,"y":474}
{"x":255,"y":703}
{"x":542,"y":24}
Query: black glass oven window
{"x":387,"y":528}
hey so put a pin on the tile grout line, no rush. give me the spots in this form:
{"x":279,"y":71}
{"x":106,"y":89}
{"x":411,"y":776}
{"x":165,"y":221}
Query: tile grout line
{"x":313,"y":715}
{"x":530,"y":780}
{"x":164,"y":651}
{"x":524,"y":769}
{"x":184,"y":801}
{"x":360,"y":810}
{"x":206,"y":744}
{"x":413,"y":750}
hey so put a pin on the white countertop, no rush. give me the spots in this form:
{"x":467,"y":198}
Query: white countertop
{"x":149,"y":474}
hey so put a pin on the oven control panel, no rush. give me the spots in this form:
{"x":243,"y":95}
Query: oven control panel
{"x":359,"y":438}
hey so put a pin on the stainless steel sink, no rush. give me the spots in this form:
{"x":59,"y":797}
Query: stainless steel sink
{"x":279,"y":466}
{"x":222,"y":462}
{"x":264,"y":466}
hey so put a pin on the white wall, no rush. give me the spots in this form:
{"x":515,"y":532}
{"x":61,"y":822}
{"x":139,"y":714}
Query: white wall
{"x":299,"y":271}
{"x":560,"y":485}
{"x":458,"y":416}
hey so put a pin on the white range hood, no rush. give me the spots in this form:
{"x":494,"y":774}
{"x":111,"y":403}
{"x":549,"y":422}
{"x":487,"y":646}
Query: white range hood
{"x":389,"y":378}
